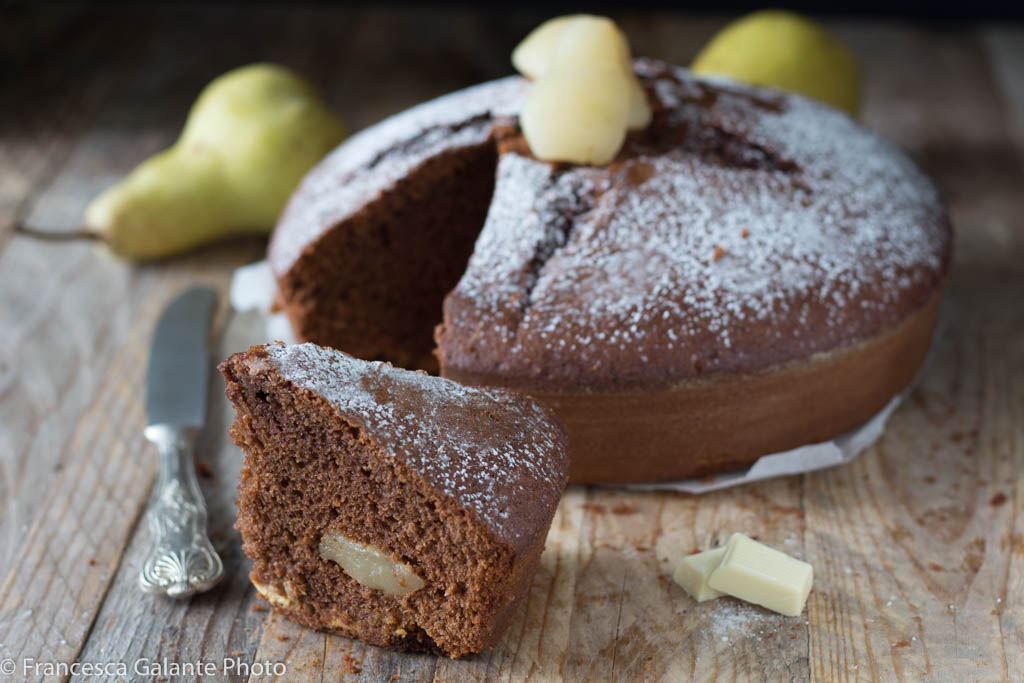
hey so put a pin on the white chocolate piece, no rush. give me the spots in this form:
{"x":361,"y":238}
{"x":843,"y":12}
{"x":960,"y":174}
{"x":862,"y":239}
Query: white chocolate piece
{"x":694,"y":570}
{"x":532,"y":55}
{"x":370,"y":566}
{"x":578,"y":116}
{"x":764,"y":576}
{"x":272,"y":595}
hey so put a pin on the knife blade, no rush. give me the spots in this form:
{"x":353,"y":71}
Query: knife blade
{"x":181,"y":560}
{"x":179,"y":362}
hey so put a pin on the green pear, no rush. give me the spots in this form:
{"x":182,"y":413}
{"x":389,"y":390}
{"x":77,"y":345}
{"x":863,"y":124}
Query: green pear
{"x":249,"y":139}
{"x":788,"y":51}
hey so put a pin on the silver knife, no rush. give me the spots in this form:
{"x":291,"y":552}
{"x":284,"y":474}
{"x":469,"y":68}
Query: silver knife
{"x":181,"y":560}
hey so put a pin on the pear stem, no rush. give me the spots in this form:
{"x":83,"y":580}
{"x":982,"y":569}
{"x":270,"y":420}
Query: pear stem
{"x":55,"y":235}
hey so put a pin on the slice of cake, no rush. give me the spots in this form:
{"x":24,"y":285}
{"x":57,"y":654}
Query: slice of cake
{"x":402,"y":509}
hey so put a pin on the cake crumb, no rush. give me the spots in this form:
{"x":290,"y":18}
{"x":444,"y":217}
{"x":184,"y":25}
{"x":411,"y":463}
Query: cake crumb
{"x":258,"y":607}
{"x":623,"y":508}
{"x":719,"y":253}
{"x":203,"y":469}
{"x":351,"y":665}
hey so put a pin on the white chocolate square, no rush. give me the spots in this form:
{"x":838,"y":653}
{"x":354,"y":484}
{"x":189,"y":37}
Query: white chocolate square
{"x":694,"y":570}
{"x":764,"y":576}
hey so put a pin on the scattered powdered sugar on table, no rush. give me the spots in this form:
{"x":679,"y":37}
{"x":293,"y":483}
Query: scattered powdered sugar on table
{"x":733,"y":621}
{"x":488,"y":449}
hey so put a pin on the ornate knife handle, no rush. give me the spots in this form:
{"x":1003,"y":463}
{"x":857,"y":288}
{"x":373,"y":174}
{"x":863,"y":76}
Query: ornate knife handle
{"x":181,"y":560}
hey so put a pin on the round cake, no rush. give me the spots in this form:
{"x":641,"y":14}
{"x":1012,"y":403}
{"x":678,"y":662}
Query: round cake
{"x":753,"y":272}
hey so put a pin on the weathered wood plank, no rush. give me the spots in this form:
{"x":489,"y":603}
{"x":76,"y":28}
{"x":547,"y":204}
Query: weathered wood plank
{"x":1004,"y":48}
{"x":132,"y":626}
{"x":73,"y":393}
{"x":917,"y":546}
{"x":630,"y":621}
{"x":915,"y":539}
{"x":76,"y":470}
{"x":909,"y":535}
{"x":934,"y":93}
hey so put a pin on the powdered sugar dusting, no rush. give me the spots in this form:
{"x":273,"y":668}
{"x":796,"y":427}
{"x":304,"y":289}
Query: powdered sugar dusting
{"x":775,"y":228}
{"x":731,"y":622}
{"x":495,"y":453}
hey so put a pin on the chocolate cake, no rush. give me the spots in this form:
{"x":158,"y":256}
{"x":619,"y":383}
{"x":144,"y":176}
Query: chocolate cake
{"x":753,"y":272}
{"x":436,"y":498}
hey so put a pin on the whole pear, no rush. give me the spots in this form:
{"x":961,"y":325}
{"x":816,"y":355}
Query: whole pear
{"x":788,"y":51}
{"x":250,"y":137}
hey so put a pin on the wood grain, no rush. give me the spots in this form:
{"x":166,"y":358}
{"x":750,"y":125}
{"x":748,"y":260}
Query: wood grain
{"x":918,"y":545}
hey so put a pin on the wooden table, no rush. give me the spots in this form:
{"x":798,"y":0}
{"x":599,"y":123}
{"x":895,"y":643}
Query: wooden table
{"x":918,"y":545}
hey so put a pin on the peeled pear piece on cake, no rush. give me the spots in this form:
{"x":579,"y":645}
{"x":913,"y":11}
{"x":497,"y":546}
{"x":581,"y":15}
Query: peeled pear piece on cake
{"x":576,"y":115}
{"x":597,"y":41}
{"x":640,"y":113}
{"x":591,"y":41}
{"x":581,"y":41}
{"x":532,"y":55}
{"x":788,"y":51}
{"x":250,"y":137}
